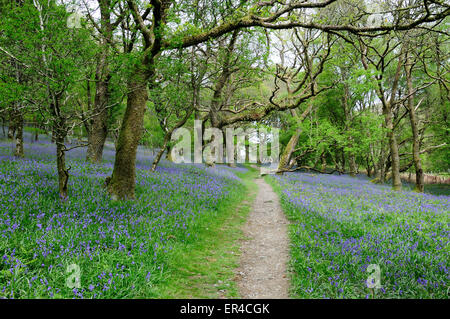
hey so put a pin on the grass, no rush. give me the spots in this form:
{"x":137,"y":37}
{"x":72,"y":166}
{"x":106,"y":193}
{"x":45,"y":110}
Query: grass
{"x":205,"y":268}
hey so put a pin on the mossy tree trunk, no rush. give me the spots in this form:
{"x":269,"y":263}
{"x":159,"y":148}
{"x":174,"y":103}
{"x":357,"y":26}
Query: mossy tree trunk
{"x":99,"y":124}
{"x":98,"y":130}
{"x":285,"y":158}
{"x":121,"y":185}
{"x":352,"y":164}
{"x":122,"y":182}
{"x":168,"y":149}
{"x":159,"y":155}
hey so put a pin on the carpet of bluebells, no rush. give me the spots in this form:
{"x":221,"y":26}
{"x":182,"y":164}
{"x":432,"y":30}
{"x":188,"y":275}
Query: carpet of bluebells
{"x":341,"y":225}
{"x":118,"y":248}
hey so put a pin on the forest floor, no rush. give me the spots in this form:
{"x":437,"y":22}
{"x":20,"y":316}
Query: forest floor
{"x":206,"y":268}
{"x":265,"y":249}
{"x":197,"y":232}
{"x":180,"y":238}
{"x":342,"y":228}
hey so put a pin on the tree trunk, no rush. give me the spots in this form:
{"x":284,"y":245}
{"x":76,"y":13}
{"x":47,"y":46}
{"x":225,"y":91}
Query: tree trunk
{"x":167,"y":137}
{"x":230,"y":162}
{"x":348,"y":119}
{"x":247,"y":152}
{"x":389,"y":122}
{"x":122,"y":182}
{"x":381,"y":164}
{"x":161,"y":152}
{"x":323,"y":158}
{"x":375,"y":171}
{"x":35,"y":138}
{"x":3,"y":126}
{"x":371,"y":161}
{"x":63,"y":173}
{"x":99,"y":125}
{"x":413,"y":119}
{"x":285,"y":158}
{"x":168,"y":148}
{"x":158,"y":158}
{"x":337,"y":161}
{"x":19,"y":136}
{"x":395,"y":159}
{"x":53,"y":140}
{"x":12,"y":126}
{"x":368,"y":167}
{"x":352,"y":164}
{"x":388,"y":115}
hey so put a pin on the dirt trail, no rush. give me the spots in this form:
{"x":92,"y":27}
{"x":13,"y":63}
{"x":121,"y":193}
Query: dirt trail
{"x":265,"y":250}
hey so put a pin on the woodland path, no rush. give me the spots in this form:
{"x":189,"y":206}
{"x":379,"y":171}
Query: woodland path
{"x":262,"y":273}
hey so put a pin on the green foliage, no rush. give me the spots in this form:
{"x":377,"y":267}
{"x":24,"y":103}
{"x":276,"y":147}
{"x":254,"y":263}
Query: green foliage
{"x":153,"y":133}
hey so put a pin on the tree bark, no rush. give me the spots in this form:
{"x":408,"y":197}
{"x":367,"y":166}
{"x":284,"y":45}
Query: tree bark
{"x":381,"y":164}
{"x":63,"y":173}
{"x":231,"y":162}
{"x":348,"y":118}
{"x":53,"y":140}
{"x":389,"y":124}
{"x":121,"y":185}
{"x":12,"y":125}
{"x":36,"y":132}
{"x":395,"y":159}
{"x":168,"y":148}
{"x":19,"y":136}
{"x":286,"y":157}
{"x":352,"y":164}
{"x":414,"y":126}
{"x":343,"y":159}
{"x":3,"y":126}
{"x":323,"y":159}
{"x":99,"y":124}
{"x":122,"y":182}
{"x":159,"y":155}
{"x":369,"y":166}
